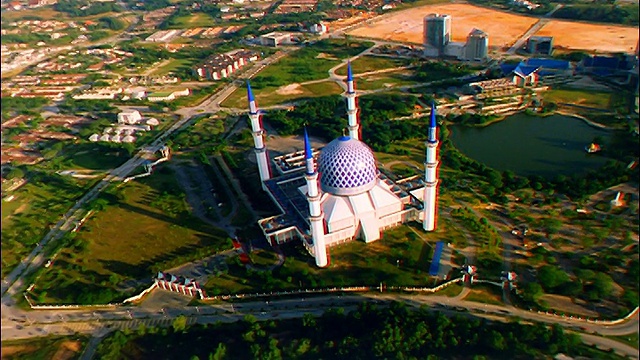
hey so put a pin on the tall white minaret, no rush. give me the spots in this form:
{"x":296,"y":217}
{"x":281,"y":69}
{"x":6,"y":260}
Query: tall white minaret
{"x":258,"y":138}
{"x":352,"y":110}
{"x":430,"y":174}
{"x":313,"y":197}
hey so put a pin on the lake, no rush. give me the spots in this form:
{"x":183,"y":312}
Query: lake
{"x":532,"y":145}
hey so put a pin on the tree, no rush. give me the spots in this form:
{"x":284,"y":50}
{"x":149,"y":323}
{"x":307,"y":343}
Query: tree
{"x":602,"y":284}
{"x":552,"y":277}
{"x":220,"y":354}
{"x":531,"y":292}
{"x":179,"y":323}
{"x":15,"y":173}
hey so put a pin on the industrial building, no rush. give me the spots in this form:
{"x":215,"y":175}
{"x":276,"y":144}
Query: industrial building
{"x":275,"y":39}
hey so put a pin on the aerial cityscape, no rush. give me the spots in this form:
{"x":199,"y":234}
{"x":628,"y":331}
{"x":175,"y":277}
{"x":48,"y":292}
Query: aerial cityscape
{"x":320,"y":179}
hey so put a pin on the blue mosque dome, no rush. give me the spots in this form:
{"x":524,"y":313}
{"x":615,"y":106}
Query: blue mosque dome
{"x":347,"y":167}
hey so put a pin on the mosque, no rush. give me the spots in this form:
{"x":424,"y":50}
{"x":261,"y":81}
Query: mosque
{"x":337,"y":194}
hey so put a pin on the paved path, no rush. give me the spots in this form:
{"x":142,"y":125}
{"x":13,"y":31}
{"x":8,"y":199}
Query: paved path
{"x":532,"y":30}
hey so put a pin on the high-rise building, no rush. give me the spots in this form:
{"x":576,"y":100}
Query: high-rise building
{"x":437,"y":34}
{"x":477,"y":46}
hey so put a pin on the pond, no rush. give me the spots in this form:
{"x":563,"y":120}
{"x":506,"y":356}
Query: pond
{"x":532,"y":145}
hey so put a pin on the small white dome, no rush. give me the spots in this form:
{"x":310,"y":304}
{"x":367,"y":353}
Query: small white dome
{"x":347,"y":167}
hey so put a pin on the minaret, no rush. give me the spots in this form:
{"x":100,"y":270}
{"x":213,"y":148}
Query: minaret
{"x":352,"y":110}
{"x":313,"y":197}
{"x":431,"y":176}
{"x":258,"y":139}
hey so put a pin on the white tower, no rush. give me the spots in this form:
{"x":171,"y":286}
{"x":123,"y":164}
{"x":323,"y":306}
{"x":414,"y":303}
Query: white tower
{"x":313,"y":196}
{"x":258,"y":138}
{"x":352,"y":111}
{"x":431,"y":176}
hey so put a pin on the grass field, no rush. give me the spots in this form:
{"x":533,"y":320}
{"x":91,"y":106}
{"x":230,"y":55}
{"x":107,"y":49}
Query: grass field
{"x":399,"y":258}
{"x":597,"y":99}
{"x":277,"y":95}
{"x":308,"y":63}
{"x":365,"y":64}
{"x":43,"y":13}
{"x":93,"y":156}
{"x":486,"y":294}
{"x":198,"y":19}
{"x":53,"y":347}
{"x":629,"y":339}
{"x":173,"y":64}
{"x":37,"y":205}
{"x":385,"y":80}
{"x":144,"y":229}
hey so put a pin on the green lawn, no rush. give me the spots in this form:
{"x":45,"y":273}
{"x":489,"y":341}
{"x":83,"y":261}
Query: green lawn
{"x":94,"y":156}
{"x":591,"y":98}
{"x":37,"y":205}
{"x":486,"y":294}
{"x":51,"y":347}
{"x":172,"y":65}
{"x":354,"y":263}
{"x":145,"y":227}
{"x":384,"y":80}
{"x":629,"y":339}
{"x":269,"y":96}
{"x":196,"y":19}
{"x":372,"y":63}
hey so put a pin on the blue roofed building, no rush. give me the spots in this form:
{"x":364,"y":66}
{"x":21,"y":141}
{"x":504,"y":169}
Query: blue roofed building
{"x":608,"y":65}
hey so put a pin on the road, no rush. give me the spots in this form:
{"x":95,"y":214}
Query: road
{"x":532,"y":30}
{"x":13,"y":283}
{"x":90,"y":321}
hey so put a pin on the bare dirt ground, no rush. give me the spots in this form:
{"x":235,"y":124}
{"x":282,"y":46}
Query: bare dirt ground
{"x":590,"y":37}
{"x":407,"y":26}
{"x":563,"y":303}
{"x":326,"y":56}
{"x":291,"y":89}
{"x":67,"y":350}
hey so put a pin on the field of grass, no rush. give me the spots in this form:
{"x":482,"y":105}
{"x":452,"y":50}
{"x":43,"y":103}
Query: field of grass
{"x":486,"y":294}
{"x":597,"y":99}
{"x":385,"y":80}
{"x":198,"y":19}
{"x":46,"y":13}
{"x":52,"y":347}
{"x":263,"y":258}
{"x":629,"y":339}
{"x":274,"y":95}
{"x":400,"y":258}
{"x":369,"y":63}
{"x":37,"y":205}
{"x":92,"y":156}
{"x":145,"y":227}
{"x":308,"y":63}
{"x":172,"y":65}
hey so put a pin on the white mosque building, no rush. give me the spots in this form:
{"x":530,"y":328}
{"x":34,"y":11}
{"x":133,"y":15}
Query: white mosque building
{"x":338,"y":194}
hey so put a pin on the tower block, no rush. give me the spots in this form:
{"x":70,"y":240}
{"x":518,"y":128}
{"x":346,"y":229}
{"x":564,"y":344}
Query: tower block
{"x":315,"y":210}
{"x":352,"y":110}
{"x":258,"y":138}
{"x":431,"y":175}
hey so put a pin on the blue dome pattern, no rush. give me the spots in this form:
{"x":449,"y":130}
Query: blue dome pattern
{"x":347,"y":167}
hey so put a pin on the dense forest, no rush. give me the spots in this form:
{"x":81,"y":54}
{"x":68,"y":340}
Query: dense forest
{"x":326,"y":117}
{"x":80,"y":8}
{"x":370,"y":332}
